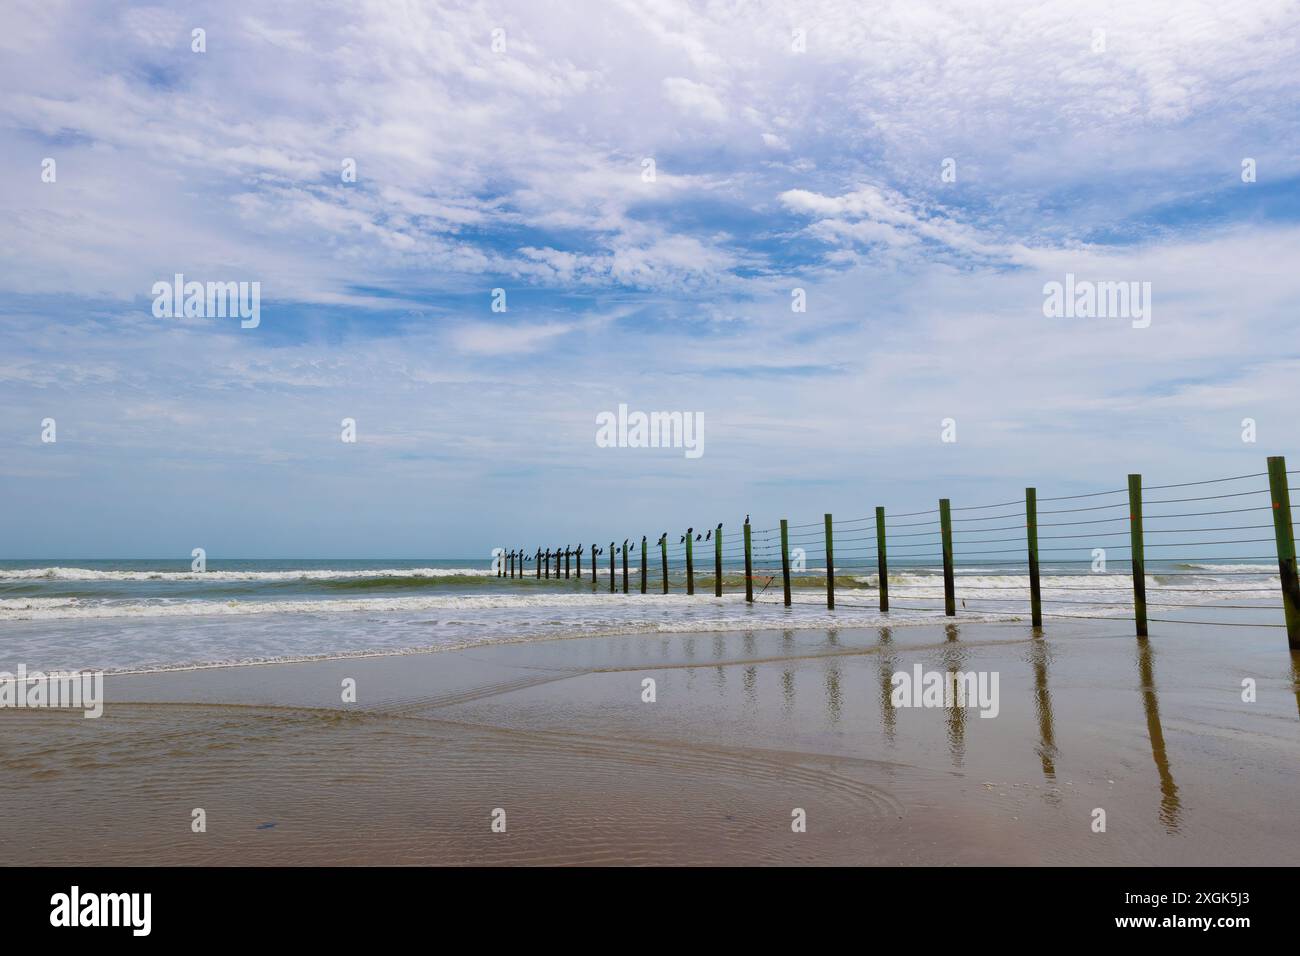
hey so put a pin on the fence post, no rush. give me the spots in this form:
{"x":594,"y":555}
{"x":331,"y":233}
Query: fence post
{"x":690,"y":563}
{"x":882,"y":564}
{"x":830,"y":566}
{"x":785,"y":558}
{"x":1286,"y":560}
{"x":643,"y":564}
{"x":749,"y":566}
{"x":1031,"y":536}
{"x":577,"y":563}
{"x":945,"y":529}
{"x":548,"y":564}
{"x":625,"y":565}
{"x":612,"y":552}
{"x":1138,"y":559}
{"x":567,"y":552}
{"x":595,"y":550}
{"x":717,"y":561}
{"x":663,"y":558}
{"x":537,"y":563}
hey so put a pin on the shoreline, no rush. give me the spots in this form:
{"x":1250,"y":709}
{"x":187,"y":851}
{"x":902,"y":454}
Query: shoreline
{"x":747,"y":727}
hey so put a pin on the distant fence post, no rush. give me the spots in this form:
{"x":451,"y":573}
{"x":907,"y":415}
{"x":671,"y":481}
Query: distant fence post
{"x":643,"y":564}
{"x":830,"y":566}
{"x":612,"y":551}
{"x":882,"y":564}
{"x":945,"y":529}
{"x":663,"y":558}
{"x":1286,"y":560}
{"x":785,"y":558}
{"x":625,"y":565}
{"x":690,"y":563}
{"x":537,"y":563}
{"x":567,"y":552}
{"x":548,"y":564}
{"x":577,"y":562}
{"x":1031,"y":537}
{"x":749,"y":565}
{"x":717,"y":561}
{"x":1138,"y":558}
{"x":595,"y":550}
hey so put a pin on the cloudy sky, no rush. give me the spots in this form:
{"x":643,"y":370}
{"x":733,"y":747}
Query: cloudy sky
{"x":779,"y":163}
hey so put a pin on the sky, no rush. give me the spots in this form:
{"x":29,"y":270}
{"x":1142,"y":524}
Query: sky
{"x":919,"y":169}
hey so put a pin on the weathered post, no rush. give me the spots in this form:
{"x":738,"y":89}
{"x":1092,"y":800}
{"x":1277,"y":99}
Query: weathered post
{"x":785,"y":558}
{"x":945,"y":529}
{"x":613,"y":550}
{"x":1139,"y":559}
{"x":643,"y":564}
{"x":577,"y":562}
{"x":717,"y":561}
{"x":537,"y":563}
{"x":749,"y":565}
{"x":594,"y":552}
{"x":1286,"y":559}
{"x":690,"y":562}
{"x":548,"y":564}
{"x":663,"y":556}
{"x":567,"y":552}
{"x":882,"y":563}
{"x":1031,"y":534}
{"x":830,"y":566}
{"x":625,"y":565}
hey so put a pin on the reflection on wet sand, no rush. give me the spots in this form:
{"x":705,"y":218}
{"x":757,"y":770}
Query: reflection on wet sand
{"x":1169,"y":803}
{"x":1295,"y":677}
{"x":954,"y":660}
{"x":888,"y":664}
{"x":1038,"y":655}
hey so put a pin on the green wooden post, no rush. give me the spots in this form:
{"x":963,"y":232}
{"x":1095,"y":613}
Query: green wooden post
{"x":537,"y":563}
{"x":612,"y":552}
{"x":945,"y":528}
{"x":882,"y":565}
{"x":717,"y":561}
{"x":785,"y":558}
{"x":1139,"y":560}
{"x":1031,"y":535}
{"x":643,"y":564}
{"x":690,"y":563}
{"x":595,"y":550}
{"x":663,"y":557}
{"x":625,"y":565}
{"x":749,"y":565}
{"x":577,"y":563}
{"x":567,"y":553}
{"x":830,"y":566}
{"x":548,"y":564}
{"x":1286,"y":559}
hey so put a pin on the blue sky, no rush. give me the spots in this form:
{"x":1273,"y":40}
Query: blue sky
{"x":522,"y":169}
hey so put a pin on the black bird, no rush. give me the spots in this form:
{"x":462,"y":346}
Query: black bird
{"x":698,"y":536}
{"x":683,"y":539}
{"x":708,"y":535}
{"x":746,"y":519}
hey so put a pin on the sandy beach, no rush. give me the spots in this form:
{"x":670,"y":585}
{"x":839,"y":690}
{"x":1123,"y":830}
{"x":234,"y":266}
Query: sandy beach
{"x":746,"y":728}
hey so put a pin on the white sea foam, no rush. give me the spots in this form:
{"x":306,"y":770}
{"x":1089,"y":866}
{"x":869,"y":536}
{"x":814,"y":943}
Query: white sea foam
{"x":322,"y":574}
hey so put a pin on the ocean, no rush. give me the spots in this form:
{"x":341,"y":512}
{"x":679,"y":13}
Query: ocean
{"x":147,"y":615}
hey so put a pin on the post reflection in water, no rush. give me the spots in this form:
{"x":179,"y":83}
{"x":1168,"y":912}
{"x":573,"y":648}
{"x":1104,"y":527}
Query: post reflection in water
{"x":1169,"y":803}
{"x":787,"y":675}
{"x":1038,"y":658}
{"x":954,"y":660}
{"x":1295,"y":677}
{"x":833,"y":700}
{"x":888,"y":664}
{"x":751,"y":672}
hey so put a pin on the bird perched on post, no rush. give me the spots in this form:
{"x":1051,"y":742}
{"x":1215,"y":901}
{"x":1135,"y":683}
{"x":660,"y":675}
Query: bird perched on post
{"x":708,"y":535}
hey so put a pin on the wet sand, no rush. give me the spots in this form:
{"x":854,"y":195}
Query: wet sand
{"x":746,"y":728}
